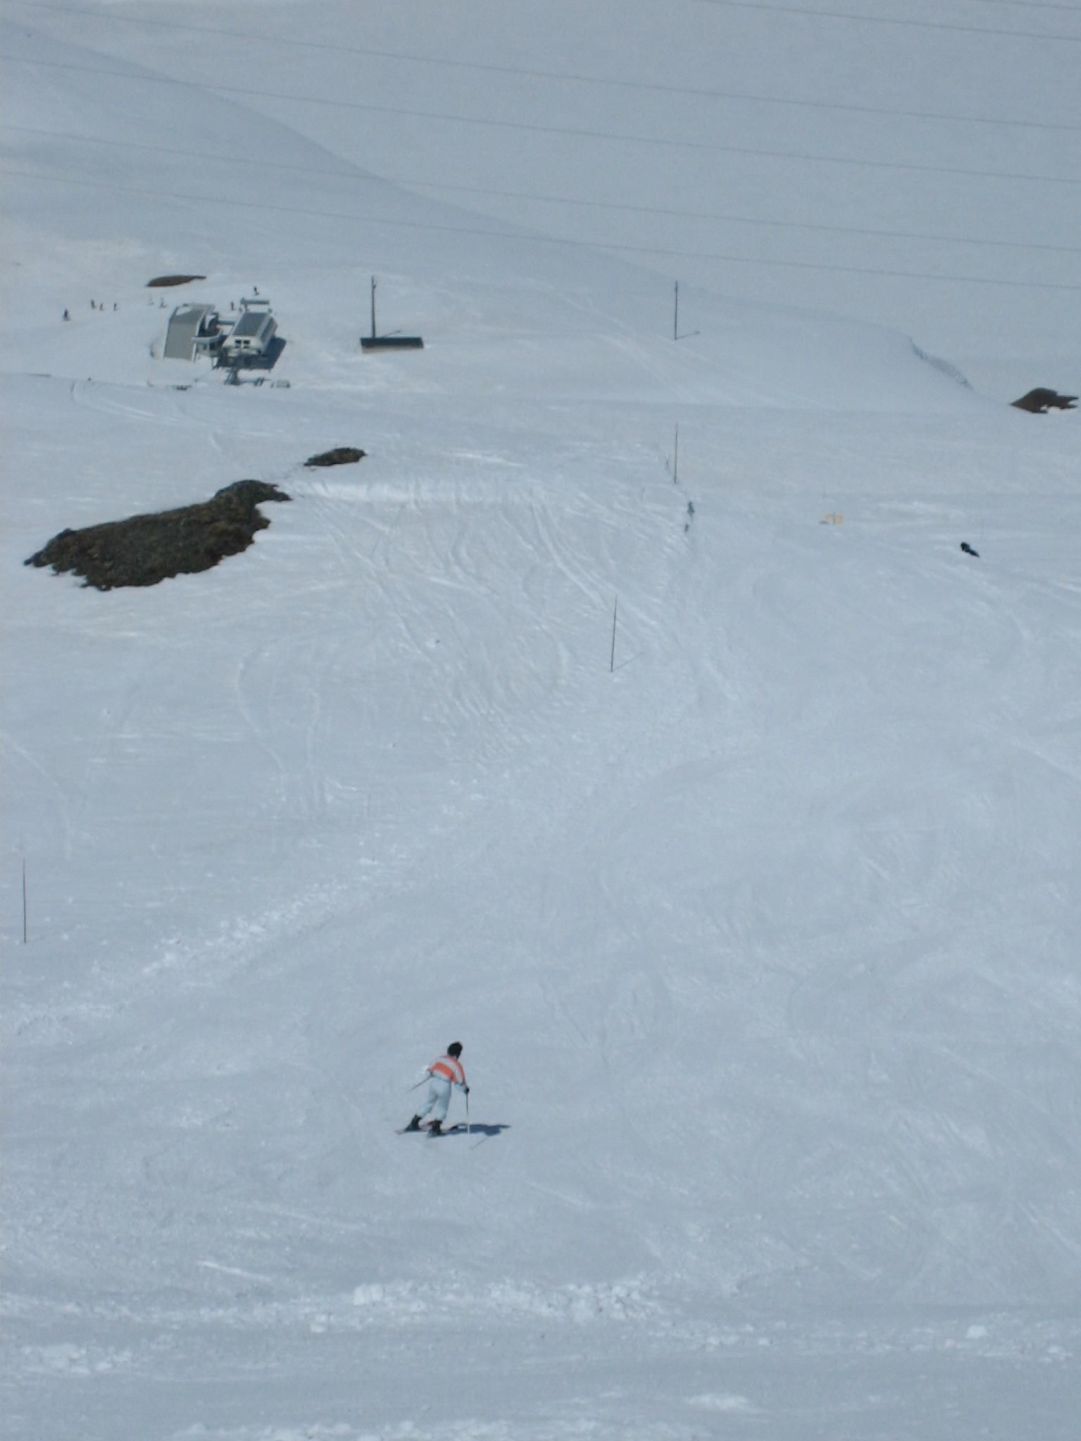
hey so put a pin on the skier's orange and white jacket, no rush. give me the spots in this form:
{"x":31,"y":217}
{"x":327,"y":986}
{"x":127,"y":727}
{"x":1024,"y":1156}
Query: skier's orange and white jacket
{"x":450,"y":1068}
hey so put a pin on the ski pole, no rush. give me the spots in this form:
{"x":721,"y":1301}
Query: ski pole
{"x":467,"y":1128}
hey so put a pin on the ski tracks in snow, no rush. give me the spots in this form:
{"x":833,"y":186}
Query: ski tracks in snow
{"x":489,"y":1362}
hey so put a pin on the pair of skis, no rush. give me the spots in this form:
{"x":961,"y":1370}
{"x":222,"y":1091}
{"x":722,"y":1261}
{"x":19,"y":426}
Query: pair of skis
{"x":426,"y":1130}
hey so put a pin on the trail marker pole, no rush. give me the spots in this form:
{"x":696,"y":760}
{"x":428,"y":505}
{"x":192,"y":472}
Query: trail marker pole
{"x":675,"y":321}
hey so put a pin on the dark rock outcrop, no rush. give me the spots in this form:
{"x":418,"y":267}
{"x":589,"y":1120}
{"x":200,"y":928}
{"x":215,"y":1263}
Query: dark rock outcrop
{"x":146,"y":549}
{"x":343,"y":455}
{"x":160,"y":281}
{"x":1041,"y":400}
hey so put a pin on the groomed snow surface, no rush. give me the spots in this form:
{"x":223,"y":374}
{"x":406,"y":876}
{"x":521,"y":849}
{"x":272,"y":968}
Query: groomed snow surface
{"x":722,"y":807}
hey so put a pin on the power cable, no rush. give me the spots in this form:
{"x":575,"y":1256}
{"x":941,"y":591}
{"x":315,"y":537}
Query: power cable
{"x":592,"y":204}
{"x":531,"y":239}
{"x":888,"y":20}
{"x":571,"y":77}
{"x":570,"y":132}
{"x":1030,"y":5}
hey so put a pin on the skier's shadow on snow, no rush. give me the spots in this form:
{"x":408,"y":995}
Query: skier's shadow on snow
{"x":478,"y":1128}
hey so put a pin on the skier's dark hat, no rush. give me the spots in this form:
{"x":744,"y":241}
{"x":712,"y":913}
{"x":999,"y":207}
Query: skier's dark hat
{"x":455,"y":1048}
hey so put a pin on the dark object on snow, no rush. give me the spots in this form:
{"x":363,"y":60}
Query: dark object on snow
{"x":375,"y":341}
{"x":1041,"y":400}
{"x":148,"y":548}
{"x":391,"y":342}
{"x":163,"y":280}
{"x":968,"y":549}
{"x":342,"y":455}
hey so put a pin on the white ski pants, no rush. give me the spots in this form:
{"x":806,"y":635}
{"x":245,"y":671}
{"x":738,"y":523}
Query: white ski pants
{"x":438,"y":1099}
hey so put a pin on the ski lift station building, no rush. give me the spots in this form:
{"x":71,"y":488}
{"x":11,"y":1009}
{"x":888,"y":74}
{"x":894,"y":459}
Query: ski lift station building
{"x":196,"y":330}
{"x":250,"y":337}
{"x":193,"y":330}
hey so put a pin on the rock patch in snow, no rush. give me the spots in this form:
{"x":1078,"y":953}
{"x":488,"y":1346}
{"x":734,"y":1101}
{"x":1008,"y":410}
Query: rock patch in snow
{"x":160,"y":281}
{"x":341,"y":455}
{"x":1041,"y":400}
{"x":146,"y":549}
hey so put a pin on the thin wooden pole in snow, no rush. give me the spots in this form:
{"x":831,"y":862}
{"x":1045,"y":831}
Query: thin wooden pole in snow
{"x":675,"y":321}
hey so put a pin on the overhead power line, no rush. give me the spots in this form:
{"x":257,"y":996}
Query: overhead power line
{"x":563,"y":76}
{"x":669,"y":212}
{"x":528,"y":238}
{"x":852,"y":15}
{"x":729,"y":219}
{"x":1030,"y":5}
{"x":570,"y":132}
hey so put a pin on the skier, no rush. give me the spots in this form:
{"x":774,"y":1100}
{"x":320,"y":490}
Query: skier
{"x":443,"y":1074}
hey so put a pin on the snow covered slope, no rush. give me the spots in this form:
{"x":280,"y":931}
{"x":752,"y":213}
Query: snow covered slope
{"x":918,"y":168}
{"x":701,"y":785}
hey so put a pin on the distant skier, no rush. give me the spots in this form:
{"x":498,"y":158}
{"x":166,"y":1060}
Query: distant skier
{"x":443,"y":1075}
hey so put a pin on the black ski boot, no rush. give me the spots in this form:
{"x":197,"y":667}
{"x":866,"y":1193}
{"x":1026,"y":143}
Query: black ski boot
{"x":436,"y":1128}
{"x":414,"y":1124}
